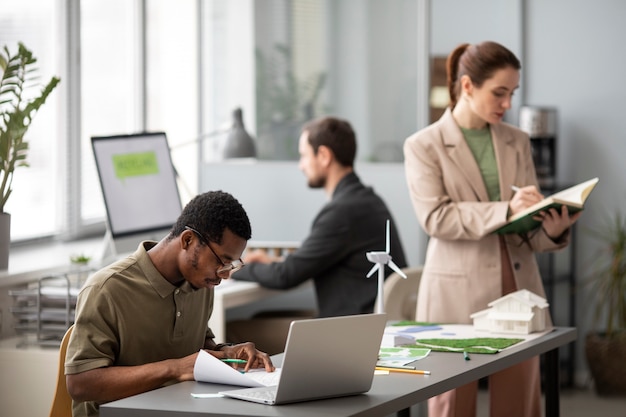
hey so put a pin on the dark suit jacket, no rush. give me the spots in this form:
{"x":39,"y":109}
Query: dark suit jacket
{"x":333,"y":255}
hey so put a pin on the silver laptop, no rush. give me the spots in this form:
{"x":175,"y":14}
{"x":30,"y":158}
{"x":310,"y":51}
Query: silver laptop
{"x":324,"y":358}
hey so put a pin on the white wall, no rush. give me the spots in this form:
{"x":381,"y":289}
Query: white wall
{"x":27,"y":379}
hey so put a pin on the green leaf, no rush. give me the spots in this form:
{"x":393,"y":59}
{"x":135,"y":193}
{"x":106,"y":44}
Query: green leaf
{"x":19,"y":75}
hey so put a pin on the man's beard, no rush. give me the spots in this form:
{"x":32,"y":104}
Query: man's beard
{"x":317,"y":182}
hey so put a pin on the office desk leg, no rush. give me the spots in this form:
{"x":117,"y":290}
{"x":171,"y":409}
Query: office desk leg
{"x":404,"y":413}
{"x":552,"y":383}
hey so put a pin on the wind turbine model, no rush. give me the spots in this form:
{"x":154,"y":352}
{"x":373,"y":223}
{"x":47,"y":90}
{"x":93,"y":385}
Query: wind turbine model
{"x":381,"y":259}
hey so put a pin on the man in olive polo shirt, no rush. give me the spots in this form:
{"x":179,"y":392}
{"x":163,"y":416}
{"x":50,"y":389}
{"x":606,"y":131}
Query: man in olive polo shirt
{"x":141,"y":321}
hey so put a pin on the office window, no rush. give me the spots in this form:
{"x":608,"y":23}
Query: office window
{"x":36,"y":203}
{"x":172,"y":85}
{"x":110,"y":86}
{"x":139,"y":75}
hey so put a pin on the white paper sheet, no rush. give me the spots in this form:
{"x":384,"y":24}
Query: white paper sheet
{"x":210,"y":369}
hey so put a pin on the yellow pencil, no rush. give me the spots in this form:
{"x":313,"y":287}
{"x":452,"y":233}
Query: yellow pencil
{"x":408,"y":371}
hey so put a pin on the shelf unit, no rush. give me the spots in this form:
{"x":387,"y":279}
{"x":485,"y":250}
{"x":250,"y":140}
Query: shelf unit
{"x":44,"y":310}
{"x":558,"y":271}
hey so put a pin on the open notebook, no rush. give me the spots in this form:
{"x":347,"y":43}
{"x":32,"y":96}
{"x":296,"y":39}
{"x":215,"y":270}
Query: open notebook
{"x":324,"y":358}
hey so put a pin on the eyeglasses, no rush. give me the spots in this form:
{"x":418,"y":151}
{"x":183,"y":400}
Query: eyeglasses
{"x":227,"y":269}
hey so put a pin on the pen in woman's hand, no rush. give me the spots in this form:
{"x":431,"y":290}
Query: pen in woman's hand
{"x":530,"y":193}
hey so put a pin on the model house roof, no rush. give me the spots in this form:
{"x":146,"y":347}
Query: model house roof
{"x":523,"y":296}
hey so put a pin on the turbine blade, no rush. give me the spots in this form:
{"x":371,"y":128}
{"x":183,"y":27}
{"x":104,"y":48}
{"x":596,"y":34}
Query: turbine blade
{"x":387,"y":249}
{"x":374,"y":268}
{"x":395,"y":268}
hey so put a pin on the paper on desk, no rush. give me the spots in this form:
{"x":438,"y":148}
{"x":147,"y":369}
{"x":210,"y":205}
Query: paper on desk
{"x":400,"y":356}
{"x":393,"y":336}
{"x":210,"y":369}
{"x":458,"y":331}
{"x":207,"y":395}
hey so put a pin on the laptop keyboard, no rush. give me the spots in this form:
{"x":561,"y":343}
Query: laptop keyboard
{"x":264,"y":378}
{"x":262,"y":394}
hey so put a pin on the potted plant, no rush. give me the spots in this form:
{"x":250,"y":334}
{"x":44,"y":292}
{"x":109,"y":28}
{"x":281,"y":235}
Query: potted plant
{"x":605,"y":350}
{"x":18,"y":105}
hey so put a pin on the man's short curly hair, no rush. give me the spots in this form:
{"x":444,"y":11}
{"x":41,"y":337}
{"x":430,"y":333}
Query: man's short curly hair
{"x":211,"y":213}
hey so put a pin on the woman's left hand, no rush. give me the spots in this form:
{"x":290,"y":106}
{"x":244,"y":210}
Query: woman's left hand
{"x":555,"y":223}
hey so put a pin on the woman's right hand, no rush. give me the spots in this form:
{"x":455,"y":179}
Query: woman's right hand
{"x":523,"y":198}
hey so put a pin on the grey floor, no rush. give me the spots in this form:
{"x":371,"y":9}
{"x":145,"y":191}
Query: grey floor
{"x":575,"y":402}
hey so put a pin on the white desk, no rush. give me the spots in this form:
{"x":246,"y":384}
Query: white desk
{"x":389,"y":393}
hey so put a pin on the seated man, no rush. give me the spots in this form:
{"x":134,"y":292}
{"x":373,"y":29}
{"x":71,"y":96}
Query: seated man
{"x":351,"y":224}
{"x":141,"y":321}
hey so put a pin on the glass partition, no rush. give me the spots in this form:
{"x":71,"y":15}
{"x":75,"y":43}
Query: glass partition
{"x":352,"y":59}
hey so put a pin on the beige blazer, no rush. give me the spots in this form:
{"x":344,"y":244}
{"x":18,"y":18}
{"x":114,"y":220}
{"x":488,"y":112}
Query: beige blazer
{"x":462,"y":270}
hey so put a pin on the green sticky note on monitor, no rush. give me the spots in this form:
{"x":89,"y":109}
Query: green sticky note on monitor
{"x":135,"y":164}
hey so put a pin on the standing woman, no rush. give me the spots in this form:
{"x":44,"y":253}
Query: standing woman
{"x":460,"y":171}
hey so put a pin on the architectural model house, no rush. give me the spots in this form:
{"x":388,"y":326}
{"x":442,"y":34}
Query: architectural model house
{"x":521,"y":312}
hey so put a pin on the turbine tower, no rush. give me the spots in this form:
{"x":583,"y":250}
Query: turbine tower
{"x":381,"y":259}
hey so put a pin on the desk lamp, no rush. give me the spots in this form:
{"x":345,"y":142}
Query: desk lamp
{"x":239,"y":144}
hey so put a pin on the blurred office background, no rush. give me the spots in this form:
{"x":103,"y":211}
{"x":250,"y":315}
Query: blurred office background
{"x":183,"y":66}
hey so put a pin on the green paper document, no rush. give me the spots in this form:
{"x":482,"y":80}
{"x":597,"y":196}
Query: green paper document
{"x":400,"y":356}
{"x":473,"y":345}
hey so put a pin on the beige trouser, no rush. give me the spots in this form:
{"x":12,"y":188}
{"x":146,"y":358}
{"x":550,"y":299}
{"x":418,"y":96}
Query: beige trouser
{"x":513,"y":392}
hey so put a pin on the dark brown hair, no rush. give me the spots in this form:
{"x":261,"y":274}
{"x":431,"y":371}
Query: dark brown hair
{"x":336,"y":134}
{"x":479,"y":62}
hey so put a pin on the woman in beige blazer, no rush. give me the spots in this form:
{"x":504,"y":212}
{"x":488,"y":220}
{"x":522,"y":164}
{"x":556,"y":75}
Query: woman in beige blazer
{"x":460,"y":171}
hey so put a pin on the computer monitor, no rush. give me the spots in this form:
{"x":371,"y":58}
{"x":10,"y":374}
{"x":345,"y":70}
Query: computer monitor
{"x":139,"y":187}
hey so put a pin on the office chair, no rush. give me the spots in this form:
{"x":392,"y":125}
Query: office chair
{"x":62,"y":402}
{"x":400,"y":295}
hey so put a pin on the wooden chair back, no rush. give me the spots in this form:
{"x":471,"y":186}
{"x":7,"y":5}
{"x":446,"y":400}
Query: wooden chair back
{"x":62,"y":402}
